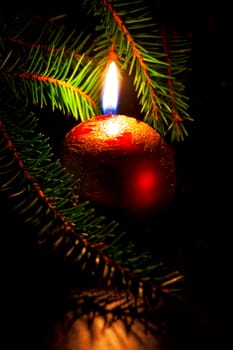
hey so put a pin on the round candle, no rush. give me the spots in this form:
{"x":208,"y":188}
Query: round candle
{"x":121,"y":162}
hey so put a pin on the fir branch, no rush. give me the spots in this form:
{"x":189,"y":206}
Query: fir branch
{"x":33,"y":148}
{"x":142,"y":82}
{"x":39,"y":32}
{"x":49,"y":80}
{"x":144,"y":56}
{"x":72,"y":81}
{"x":61,"y":190}
{"x":50,"y":71}
{"x":47,"y":67}
{"x":60,"y":187}
{"x":54,"y":234}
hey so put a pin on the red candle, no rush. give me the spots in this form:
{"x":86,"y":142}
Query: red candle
{"x":121,"y":161}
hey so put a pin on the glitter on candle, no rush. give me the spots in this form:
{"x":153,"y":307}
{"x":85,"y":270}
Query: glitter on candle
{"x":112,"y":127}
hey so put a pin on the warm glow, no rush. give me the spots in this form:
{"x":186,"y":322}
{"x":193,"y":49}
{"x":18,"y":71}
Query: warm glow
{"x":112,"y":127}
{"x":110,"y":91}
{"x":105,"y":333}
{"x":145,"y":185}
{"x":146,"y":181}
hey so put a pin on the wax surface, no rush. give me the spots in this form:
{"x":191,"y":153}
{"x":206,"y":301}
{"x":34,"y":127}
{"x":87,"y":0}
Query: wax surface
{"x":121,"y":162}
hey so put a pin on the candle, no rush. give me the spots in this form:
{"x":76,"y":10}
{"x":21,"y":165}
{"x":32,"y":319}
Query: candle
{"x":121,"y":161}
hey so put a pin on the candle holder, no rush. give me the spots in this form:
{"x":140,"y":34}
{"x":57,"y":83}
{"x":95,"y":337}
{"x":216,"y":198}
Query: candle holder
{"x":121,"y":163}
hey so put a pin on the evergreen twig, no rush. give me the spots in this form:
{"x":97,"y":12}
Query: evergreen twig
{"x":43,"y":64}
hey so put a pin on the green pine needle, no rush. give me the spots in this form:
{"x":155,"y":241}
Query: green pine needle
{"x":43,"y":64}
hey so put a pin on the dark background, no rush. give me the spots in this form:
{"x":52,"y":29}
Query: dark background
{"x":202,"y":225}
{"x":197,"y":231}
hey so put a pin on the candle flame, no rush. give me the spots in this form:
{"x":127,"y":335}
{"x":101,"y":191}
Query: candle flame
{"x":110,"y":91}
